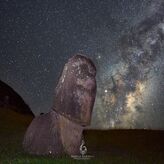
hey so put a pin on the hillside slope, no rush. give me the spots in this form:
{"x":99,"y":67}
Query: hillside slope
{"x":10,"y":98}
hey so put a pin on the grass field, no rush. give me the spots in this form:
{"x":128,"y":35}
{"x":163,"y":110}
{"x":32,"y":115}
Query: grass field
{"x":112,"y":146}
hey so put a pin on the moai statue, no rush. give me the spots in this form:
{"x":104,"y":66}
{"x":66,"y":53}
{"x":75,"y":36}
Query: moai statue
{"x":59,"y":132}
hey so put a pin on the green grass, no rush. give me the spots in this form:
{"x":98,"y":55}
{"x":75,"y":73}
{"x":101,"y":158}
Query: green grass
{"x":13,"y":126}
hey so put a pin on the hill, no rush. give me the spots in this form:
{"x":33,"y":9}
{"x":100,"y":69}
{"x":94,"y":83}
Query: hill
{"x":139,"y":142}
{"x":11,"y":99}
{"x":12,"y":129}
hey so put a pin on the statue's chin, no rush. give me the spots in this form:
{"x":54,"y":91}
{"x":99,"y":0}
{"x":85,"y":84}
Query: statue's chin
{"x":84,"y":124}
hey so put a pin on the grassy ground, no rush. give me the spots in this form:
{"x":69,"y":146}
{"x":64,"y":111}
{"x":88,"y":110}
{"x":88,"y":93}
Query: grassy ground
{"x":12,"y":128}
{"x":114,"y":147}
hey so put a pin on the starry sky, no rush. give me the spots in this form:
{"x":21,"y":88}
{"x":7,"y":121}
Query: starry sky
{"x":124,"y":38}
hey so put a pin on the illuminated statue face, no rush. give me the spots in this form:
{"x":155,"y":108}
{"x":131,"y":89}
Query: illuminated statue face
{"x":86,"y":87}
{"x":76,"y":90}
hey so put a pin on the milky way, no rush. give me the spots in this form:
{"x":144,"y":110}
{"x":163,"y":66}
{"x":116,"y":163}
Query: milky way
{"x":123,"y":38}
{"x":133,"y":93}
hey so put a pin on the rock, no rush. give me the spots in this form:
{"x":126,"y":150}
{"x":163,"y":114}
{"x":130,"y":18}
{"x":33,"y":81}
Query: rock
{"x":59,"y":132}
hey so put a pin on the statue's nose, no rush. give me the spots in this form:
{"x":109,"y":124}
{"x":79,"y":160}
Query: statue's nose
{"x":89,"y":84}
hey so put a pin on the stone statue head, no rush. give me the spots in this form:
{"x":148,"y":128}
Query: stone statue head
{"x":76,"y":90}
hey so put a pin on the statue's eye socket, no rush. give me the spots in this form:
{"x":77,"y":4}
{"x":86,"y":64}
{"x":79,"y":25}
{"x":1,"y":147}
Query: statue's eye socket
{"x":83,"y":76}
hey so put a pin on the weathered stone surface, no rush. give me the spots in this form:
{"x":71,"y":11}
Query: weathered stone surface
{"x":75,"y":92}
{"x":60,"y":131}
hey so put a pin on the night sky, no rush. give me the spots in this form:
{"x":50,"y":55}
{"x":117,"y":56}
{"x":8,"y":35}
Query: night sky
{"x":124,"y":38}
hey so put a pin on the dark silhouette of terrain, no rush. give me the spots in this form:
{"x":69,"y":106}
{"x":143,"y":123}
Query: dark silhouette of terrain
{"x":15,"y":117}
{"x":138,"y":142}
{"x":10,"y":99}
